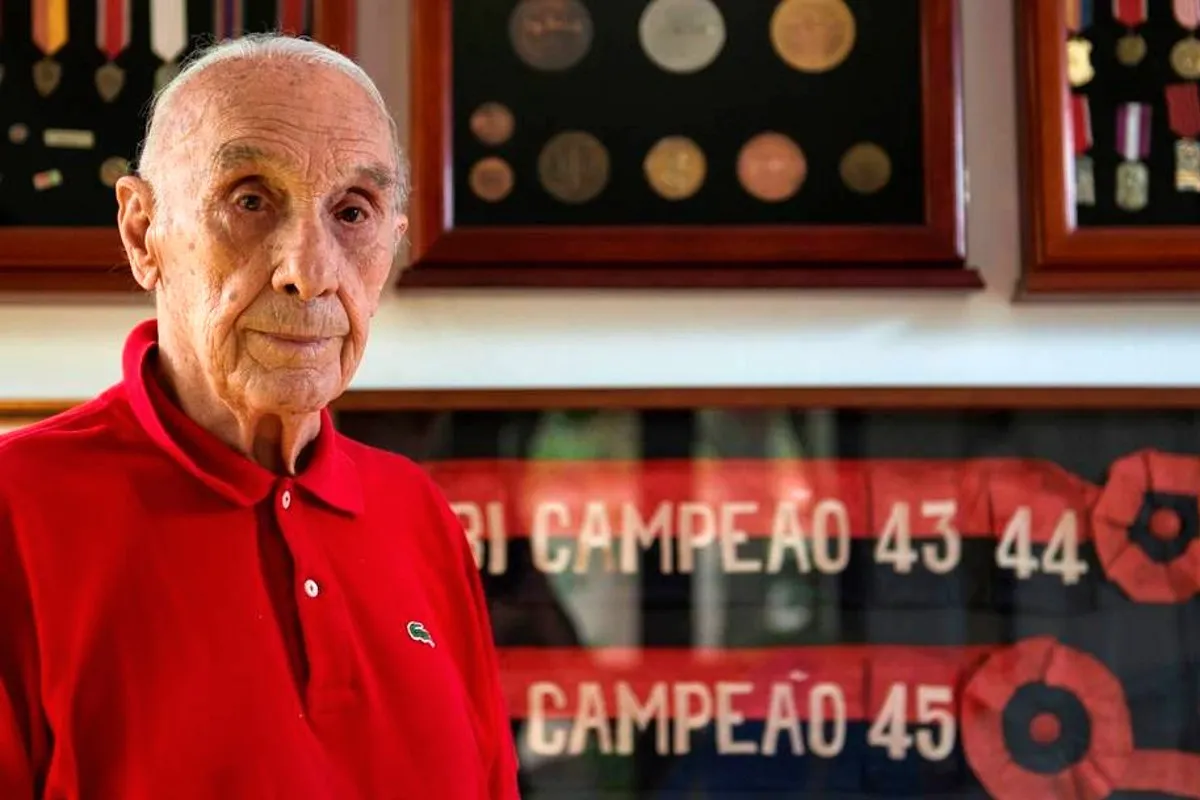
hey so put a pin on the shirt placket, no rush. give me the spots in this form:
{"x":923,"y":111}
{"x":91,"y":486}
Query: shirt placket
{"x":323,"y":617}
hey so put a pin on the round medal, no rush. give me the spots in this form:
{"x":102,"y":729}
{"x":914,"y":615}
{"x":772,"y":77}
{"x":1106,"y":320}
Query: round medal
{"x":1131,"y":49}
{"x":550,"y":35}
{"x":866,"y":168}
{"x":675,"y":167}
{"x":813,"y":35}
{"x":771,"y":167}
{"x":682,"y":35}
{"x":491,"y":179}
{"x":1185,"y":58}
{"x":112,"y":170}
{"x":492,"y":123}
{"x":18,"y":133}
{"x":573,"y":167}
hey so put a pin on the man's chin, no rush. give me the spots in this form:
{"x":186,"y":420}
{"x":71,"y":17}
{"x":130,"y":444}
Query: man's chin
{"x":290,"y":397}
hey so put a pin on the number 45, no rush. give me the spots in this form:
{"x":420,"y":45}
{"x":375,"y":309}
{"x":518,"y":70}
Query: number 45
{"x":934,"y":707}
{"x":1061,"y":556}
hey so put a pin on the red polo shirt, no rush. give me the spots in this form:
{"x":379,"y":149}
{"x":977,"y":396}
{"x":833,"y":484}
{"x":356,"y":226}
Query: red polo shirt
{"x":177,"y":622}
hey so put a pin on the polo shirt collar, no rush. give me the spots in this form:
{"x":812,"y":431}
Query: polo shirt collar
{"x":331,"y":475}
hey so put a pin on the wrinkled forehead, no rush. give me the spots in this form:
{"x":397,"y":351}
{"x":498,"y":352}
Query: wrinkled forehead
{"x":311,"y":122}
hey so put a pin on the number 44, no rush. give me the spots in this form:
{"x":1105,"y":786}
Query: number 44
{"x":1061,"y":556}
{"x":934,"y":708}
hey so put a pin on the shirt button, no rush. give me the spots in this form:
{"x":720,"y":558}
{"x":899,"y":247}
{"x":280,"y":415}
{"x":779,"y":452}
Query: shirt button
{"x":311,"y":589}
{"x":287,"y":500}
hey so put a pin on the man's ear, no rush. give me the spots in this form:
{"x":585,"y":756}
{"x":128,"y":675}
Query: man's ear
{"x":135,"y":212}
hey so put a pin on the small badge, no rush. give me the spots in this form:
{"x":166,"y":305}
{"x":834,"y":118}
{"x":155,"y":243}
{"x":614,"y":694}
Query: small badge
{"x":417,"y":632}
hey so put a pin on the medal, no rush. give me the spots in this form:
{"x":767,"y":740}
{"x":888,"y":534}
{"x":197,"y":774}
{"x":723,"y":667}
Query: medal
{"x":168,"y":37}
{"x":112,"y":37}
{"x":1081,"y":137}
{"x":492,"y":123}
{"x":68,"y":138}
{"x":491,"y":179}
{"x":1133,"y":143}
{"x":293,"y":17}
{"x":50,"y":33}
{"x":682,"y":36}
{"x":675,"y":167}
{"x":1131,"y":48}
{"x":1079,"y":50}
{"x":865,"y":168}
{"x":574,"y":167}
{"x":772,"y":167}
{"x":550,"y":35}
{"x":112,"y":169}
{"x":1183,"y":114}
{"x":813,"y":35}
{"x":1185,"y":55}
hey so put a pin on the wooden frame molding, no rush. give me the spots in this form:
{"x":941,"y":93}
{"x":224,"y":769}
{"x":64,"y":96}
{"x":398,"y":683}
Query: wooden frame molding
{"x":932,"y":255}
{"x":92,"y":259}
{"x":1061,"y":259}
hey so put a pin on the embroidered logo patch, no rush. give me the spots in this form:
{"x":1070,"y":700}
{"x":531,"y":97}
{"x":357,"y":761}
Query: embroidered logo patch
{"x":417,"y":632}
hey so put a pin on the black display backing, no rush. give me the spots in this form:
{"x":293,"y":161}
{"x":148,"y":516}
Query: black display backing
{"x":619,"y":95}
{"x":1115,"y":84}
{"x":82,"y":199}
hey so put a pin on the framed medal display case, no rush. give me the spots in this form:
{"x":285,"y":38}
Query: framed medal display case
{"x":985,"y":593}
{"x":687,"y":143}
{"x":1110,"y":112}
{"x":75,"y":82}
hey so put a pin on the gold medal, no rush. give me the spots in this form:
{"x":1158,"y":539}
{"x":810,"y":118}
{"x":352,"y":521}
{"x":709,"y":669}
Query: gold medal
{"x":1131,"y":49}
{"x":675,"y":167}
{"x":492,"y":123}
{"x":574,"y":167}
{"x":109,"y":80}
{"x":46,"y":75}
{"x":1085,"y":181}
{"x":813,"y":35}
{"x":491,"y":179}
{"x":866,"y":168}
{"x":1185,"y":58}
{"x":1187,"y":165}
{"x":1079,"y":62}
{"x":1133,"y":186}
{"x":112,"y":170}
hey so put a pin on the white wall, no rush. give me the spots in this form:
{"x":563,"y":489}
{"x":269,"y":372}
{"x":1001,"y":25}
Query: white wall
{"x":590,"y":338}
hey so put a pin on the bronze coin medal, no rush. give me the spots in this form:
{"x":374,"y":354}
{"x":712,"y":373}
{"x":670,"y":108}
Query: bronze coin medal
{"x":550,"y":35}
{"x":491,"y":179}
{"x":682,"y":36}
{"x":1183,"y":115}
{"x":1133,"y":143}
{"x":492,"y":124}
{"x":813,"y":35}
{"x":113,"y":169}
{"x":866,"y":168}
{"x":772,"y":167}
{"x":573,"y":167}
{"x":675,"y":167}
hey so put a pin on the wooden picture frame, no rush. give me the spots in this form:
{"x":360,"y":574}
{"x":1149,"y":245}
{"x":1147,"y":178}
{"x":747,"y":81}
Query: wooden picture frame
{"x":92,"y":259}
{"x":1062,"y":259}
{"x":929,"y":255}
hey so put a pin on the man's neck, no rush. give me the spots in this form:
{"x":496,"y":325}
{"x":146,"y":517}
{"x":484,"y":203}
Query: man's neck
{"x":276,"y":442}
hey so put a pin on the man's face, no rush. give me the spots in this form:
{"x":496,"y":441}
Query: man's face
{"x":274,"y":230}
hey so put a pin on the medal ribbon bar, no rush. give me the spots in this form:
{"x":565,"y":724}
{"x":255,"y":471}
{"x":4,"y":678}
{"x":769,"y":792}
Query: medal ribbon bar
{"x":293,"y":16}
{"x":50,"y":30}
{"x":1079,"y":15}
{"x":227,"y":19}
{"x":1187,"y":13}
{"x":1130,"y":13}
{"x":113,"y":24}
{"x":1081,"y":136}
{"x":1133,"y":131}
{"x":168,"y":29}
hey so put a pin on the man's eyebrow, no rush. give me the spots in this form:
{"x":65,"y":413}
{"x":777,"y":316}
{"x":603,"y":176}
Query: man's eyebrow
{"x":236,"y":155}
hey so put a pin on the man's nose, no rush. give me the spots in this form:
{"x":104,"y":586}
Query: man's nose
{"x":308,"y":267}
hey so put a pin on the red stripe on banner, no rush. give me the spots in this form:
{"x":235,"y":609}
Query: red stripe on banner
{"x":707,"y":501}
{"x":1163,"y":771}
{"x":855,"y":682}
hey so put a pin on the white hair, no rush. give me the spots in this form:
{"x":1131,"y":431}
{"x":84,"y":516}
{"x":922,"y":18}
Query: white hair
{"x":279,"y":47}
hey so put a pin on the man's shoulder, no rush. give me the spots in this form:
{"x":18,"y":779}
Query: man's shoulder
{"x":60,"y":441}
{"x":386,"y":471}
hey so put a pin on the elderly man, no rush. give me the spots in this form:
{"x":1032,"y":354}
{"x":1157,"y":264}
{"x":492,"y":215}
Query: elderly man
{"x":205,"y":591}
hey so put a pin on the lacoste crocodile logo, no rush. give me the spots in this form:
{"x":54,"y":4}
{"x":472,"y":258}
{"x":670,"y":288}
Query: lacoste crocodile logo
{"x":417,"y":632}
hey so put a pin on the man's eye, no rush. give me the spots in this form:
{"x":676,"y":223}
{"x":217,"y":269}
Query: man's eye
{"x":352,"y":214}
{"x":250,"y":202}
